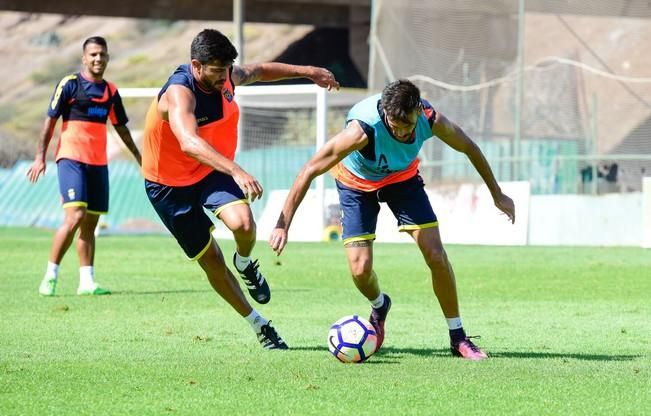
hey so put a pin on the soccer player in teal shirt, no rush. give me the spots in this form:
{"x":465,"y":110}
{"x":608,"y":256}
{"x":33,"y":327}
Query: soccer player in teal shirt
{"x":375,"y":159}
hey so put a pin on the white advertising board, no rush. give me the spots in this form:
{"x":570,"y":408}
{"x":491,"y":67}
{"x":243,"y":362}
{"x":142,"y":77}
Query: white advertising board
{"x":466,"y":214}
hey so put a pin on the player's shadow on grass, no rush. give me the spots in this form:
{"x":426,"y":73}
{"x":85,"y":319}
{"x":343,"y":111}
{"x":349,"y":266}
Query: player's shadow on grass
{"x":557,"y":355}
{"x":162,"y":292}
{"x":423,"y":352}
{"x":143,"y":292}
{"x":389,"y":354}
{"x":510,"y":354}
{"x":156,"y":292}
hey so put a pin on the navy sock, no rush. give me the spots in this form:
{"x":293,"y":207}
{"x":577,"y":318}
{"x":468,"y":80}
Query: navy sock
{"x":457,"y":335}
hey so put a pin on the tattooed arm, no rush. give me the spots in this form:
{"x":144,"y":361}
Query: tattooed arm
{"x":274,"y":71}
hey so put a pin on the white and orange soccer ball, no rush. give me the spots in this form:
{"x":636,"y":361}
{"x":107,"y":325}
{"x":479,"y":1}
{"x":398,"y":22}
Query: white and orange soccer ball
{"x":352,"y":339}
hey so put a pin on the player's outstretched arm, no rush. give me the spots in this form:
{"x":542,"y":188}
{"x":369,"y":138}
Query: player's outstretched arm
{"x":38,"y":166}
{"x":125,"y":135}
{"x":180,"y":103}
{"x":350,"y":139}
{"x":456,"y":138}
{"x":274,"y":71}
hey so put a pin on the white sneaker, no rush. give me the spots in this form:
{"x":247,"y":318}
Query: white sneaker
{"x":48,"y":286}
{"x":94,"y":289}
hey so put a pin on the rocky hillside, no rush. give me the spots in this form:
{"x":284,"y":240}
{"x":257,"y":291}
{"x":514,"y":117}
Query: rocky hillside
{"x":37,"y":50}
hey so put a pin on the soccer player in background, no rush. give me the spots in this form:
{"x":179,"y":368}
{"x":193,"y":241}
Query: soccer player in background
{"x":189,"y":146}
{"x":375,"y":159}
{"x":85,"y":101}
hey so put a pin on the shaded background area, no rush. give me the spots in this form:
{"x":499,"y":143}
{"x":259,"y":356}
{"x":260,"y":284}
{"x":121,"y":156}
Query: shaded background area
{"x":326,"y":47}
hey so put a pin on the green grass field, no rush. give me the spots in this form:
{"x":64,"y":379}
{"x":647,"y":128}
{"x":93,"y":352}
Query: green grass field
{"x":568,"y":331}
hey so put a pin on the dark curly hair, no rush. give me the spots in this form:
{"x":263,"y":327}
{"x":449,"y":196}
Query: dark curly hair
{"x":400,"y":98}
{"x":210,"y":45}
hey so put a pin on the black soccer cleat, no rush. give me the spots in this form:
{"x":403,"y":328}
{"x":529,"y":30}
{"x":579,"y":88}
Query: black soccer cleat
{"x":269,"y":338}
{"x":255,"y":282}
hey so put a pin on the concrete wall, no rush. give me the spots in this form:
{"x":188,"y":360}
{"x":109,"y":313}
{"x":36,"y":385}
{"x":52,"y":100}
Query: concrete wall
{"x":469,"y":217}
{"x":585,"y":220}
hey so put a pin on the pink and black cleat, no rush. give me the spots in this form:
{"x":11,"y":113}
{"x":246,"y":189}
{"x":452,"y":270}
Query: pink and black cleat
{"x":378,"y":316}
{"x":466,"y":349}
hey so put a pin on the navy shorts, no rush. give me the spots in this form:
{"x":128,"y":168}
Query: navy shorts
{"x":83,"y":185}
{"x":407,"y":200}
{"x":182,"y":208}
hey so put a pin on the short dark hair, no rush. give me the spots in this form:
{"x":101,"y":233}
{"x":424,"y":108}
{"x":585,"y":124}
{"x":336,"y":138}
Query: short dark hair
{"x":400,"y":98}
{"x":210,"y":45}
{"x":97,"y":40}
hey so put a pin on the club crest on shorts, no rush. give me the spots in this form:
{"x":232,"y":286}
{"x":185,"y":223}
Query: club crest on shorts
{"x":227,"y":94}
{"x":71,"y":193}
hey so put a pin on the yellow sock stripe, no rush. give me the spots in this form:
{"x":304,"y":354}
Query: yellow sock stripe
{"x":97,"y":212}
{"x":409,"y":227}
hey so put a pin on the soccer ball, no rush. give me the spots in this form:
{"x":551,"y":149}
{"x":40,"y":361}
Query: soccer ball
{"x":352,"y":339}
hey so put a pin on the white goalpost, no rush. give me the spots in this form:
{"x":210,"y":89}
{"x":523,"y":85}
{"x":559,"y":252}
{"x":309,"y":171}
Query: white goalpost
{"x":646,"y":211}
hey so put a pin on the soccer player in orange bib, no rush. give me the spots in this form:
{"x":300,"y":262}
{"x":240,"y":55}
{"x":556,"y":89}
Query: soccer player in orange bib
{"x":189,"y":147}
{"x":85,"y":101}
{"x":375,"y":159}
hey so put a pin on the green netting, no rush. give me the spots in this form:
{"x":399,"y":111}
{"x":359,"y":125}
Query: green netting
{"x":39,"y":204}
{"x":540,"y":164}
{"x":4,"y":174}
{"x":276,"y":168}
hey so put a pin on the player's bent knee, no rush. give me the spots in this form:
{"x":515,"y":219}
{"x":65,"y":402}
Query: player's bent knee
{"x":241,"y":225}
{"x":74,"y":219}
{"x":436,"y":258}
{"x":248,"y":227}
{"x":361,"y":271}
{"x":245,"y":231}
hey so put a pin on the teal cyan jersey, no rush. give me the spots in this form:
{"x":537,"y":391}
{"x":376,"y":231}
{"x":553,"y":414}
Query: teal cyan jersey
{"x":388,"y":155}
